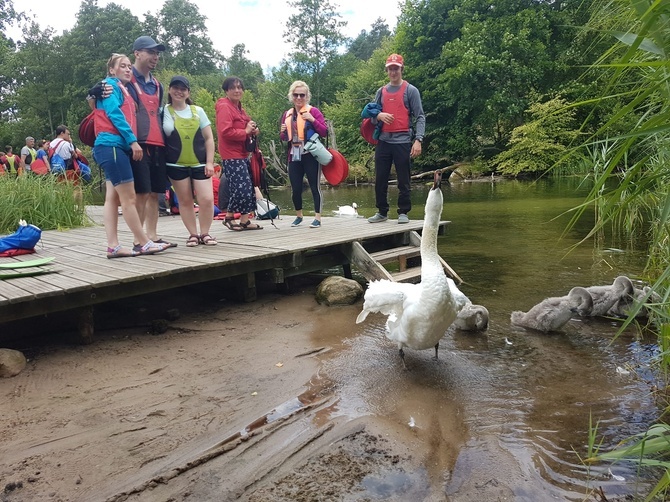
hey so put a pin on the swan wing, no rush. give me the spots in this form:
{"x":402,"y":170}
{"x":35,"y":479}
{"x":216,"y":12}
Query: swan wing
{"x":459,"y":298}
{"x":385,"y":297}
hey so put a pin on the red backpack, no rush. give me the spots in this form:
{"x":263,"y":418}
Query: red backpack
{"x":87,"y":130}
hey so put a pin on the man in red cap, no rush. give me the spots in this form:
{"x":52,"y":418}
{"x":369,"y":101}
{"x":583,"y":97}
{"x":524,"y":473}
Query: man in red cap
{"x":399,"y":140}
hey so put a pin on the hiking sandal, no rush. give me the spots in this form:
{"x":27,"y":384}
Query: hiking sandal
{"x":208,"y":240}
{"x":230,"y":224}
{"x":248,"y":226}
{"x":193,"y":241}
{"x":152,"y":247}
{"x":120,"y":252}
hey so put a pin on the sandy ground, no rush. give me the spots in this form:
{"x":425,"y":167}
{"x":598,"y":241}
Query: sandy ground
{"x":276,"y":400}
{"x":136,"y":411}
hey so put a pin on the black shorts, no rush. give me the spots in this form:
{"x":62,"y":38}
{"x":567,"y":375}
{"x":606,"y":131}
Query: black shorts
{"x":181,"y":173}
{"x":150,"y":173}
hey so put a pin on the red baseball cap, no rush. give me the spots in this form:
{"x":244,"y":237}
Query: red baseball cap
{"x":395,"y":60}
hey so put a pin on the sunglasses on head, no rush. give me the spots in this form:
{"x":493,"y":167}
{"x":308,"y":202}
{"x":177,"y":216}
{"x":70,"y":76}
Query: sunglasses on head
{"x":299,"y":95}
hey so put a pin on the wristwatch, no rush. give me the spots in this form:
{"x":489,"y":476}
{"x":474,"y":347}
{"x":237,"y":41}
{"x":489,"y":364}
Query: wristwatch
{"x":419,"y":139}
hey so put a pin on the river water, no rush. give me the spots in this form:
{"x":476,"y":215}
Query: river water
{"x":523,"y":400}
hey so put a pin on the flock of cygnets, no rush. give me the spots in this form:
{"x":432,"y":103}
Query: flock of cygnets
{"x":614,"y":300}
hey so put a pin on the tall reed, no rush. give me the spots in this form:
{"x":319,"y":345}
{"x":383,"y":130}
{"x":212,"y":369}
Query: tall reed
{"x":42,"y":201}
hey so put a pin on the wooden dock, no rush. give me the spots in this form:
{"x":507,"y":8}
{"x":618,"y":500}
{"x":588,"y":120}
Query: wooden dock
{"x":83,"y":276}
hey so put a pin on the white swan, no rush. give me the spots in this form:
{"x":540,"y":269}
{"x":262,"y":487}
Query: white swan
{"x":552,"y":313}
{"x":472,"y":318}
{"x":347,"y":210}
{"x":604,"y":297}
{"x":418,"y":314}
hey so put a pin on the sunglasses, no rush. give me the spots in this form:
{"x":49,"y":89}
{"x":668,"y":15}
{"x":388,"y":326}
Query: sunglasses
{"x":299,"y":95}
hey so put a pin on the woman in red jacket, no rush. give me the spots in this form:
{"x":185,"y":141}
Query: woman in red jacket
{"x":235,"y":129}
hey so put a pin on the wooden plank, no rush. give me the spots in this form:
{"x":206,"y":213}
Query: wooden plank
{"x":360,"y":258}
{"x":391,"y":255}
{"x":410,"y":275}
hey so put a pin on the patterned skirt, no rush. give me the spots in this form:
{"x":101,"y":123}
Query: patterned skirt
{"x":242,"y":196}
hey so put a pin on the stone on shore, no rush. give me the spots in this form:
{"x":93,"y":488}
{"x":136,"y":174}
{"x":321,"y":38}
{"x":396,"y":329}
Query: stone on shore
{"x":12,"y":362}
{"x":336,"y":290}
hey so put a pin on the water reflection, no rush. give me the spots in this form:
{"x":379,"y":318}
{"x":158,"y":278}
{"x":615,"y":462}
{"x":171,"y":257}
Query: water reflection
{"x":509,"y":393}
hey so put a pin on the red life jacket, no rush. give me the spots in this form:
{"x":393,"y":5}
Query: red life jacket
{"x":149,"y":128}
{"x":394,"y":103}
{"x":128,"y":107}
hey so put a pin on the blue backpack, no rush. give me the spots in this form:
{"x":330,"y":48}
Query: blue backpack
{"x":57,"y":163}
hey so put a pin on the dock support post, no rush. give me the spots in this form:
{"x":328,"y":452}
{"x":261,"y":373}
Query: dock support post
{"x":85,"y":325}
{"x":245,"y":286}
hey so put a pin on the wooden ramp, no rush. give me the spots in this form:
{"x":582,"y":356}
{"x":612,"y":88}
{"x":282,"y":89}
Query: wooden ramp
{"x":82,"y":276}
{"x":405,"y":261}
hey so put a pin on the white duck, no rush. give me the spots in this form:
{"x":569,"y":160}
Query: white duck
{"x":347,"y":210}
{"x":552,"y":313}
{"x":418,"y":314}
{"x":604,"y":297}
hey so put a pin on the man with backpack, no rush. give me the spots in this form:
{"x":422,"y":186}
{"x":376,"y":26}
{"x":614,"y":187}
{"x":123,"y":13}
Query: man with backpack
{"x":398,"y":142}
{"x":12,"y":162}
{"x":28,"y":153}
{"x":62,"y":147}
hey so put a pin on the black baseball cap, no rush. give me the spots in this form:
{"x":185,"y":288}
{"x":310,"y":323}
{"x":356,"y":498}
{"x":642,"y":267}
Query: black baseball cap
{"x":146,"y":42}
{"x":179,"y":79}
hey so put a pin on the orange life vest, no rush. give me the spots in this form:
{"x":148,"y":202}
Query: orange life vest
{"x":300,"y":122}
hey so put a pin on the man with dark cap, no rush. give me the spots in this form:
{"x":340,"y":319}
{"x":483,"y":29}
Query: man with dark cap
{"x":150,"y":173}
{"x":403,"y":127}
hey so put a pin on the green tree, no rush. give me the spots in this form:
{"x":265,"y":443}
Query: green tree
{"x":477,"y":63}
{"x":40,"y":97}
{"x":183,"y":31}
{"x":543,"y":142}
{"x":314,"y":31}
{"x":366,"y":42}
{"x":239,"y":65}
{"x":98,"y":32}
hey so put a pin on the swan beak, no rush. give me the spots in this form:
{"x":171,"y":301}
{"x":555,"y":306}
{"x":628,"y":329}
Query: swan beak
{"x":438,"y":180}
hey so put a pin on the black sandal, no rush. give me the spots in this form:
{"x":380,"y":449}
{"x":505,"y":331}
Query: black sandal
{"x":246,"y":226}
{"x":230,"y":224}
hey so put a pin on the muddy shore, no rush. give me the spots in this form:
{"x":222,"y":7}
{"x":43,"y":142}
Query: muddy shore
{"x":277,"y":400}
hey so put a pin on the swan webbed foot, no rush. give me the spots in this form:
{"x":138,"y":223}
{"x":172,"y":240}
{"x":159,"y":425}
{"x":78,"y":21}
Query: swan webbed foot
{"x":437,"y":346}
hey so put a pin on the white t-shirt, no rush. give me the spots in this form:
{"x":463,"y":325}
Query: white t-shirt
{"x":64,"y":148}
{"x":168,"y":121}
